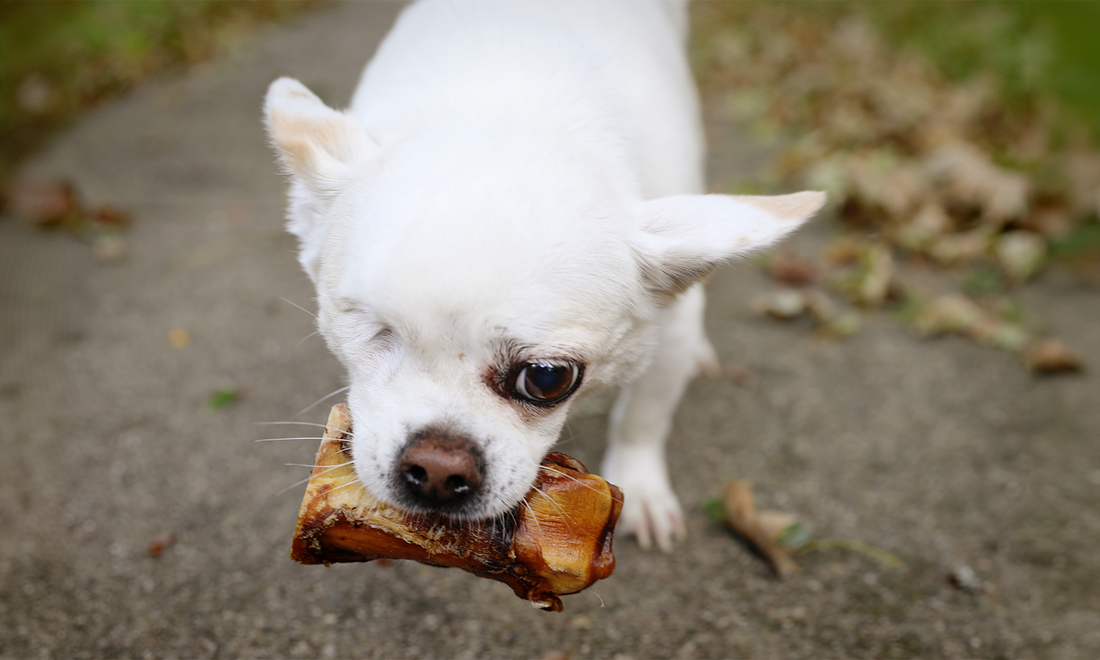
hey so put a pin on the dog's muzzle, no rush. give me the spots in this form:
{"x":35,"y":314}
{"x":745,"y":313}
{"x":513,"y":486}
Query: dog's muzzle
{"x":440,"y":472}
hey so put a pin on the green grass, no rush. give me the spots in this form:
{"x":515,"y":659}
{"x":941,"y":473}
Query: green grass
{"x":60,"y":57}
{"x":1083,"y":241}
{"x":1039,"y":51}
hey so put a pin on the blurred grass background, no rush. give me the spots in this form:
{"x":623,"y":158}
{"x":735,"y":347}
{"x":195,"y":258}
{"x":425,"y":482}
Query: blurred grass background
{"x":1044,"y":48}
{"x":60,"y":57}
{"x":1040,"y":51}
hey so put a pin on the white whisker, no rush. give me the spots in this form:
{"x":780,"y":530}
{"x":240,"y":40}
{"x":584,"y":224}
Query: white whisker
{"x":303,"y":437}
{"x":321,"y":426}
{"x":299,"y":307}
{"x":324,"y":398}
{"x":303,"y":339}
{"x":565,"y":514}
{"x":572,"y":478}
{"x":295,"y":484}
{"x":302,"y":481}
{"x":569,"y":435}
{"x":534,"y":516}
{"x":350,"y":483}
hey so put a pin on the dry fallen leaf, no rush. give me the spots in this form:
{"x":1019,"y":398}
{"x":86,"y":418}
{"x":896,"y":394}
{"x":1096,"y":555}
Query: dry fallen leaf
{"x":877,"y":275}
{"x":844,"y":250}
{"x":964,"y":578}
{"x":789,"y":268}
{"x":789,"y":304}
{"x":785,"y":304}
{"x":927,"y":226}
{"x":157,"y":545}
{"x":971,"y":179}
{"x":42,"y":202}
{"x":872,"y":279}
{"x":1051,"y":356}
{"x":958,"y":314}
{"x":962,"y":247}
{"x":179,"y":338}
{"x":742,"y":517}
{"x":949,"y":313}
{"x":1020,"y":254}
{"x":107,"y":216}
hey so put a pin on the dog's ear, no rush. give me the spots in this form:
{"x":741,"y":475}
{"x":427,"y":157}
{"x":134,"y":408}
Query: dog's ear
{"x":684,"y":237}
{"x":320,"y":149}
{"x":317,"y":145}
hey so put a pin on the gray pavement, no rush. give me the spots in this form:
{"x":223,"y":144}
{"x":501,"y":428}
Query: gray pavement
{"x":943,"y":453}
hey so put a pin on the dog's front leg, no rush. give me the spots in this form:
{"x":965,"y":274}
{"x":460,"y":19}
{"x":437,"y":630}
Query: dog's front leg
{"x":641,"y":420}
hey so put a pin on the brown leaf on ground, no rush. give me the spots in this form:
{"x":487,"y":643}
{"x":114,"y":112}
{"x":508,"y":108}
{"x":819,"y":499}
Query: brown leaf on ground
{"x":962,"y":247}
{"x":789,"y":304}
{"x":1051,"y":356}
{"x":928,"y":225}
{"x":743,"y":518}
{"x":844,"y":250}
{"x":877,"y":276}
{"x":954,"y":313}
{"x":42,"y":202}
{"x":179,"y":338}
{"x":775,"y":523}
{"x":789,"y":268}
{"x":971,"y":179}
{"x":158,"y":544}
{"x":964,"y":578}
{"x":1020,"y":254}
{"x":107,"y":216}
{"x":1082,"y":169}
{"x":784,"y":305}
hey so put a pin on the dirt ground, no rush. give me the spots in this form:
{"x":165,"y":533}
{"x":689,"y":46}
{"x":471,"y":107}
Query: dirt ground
{"x":943,"y":453}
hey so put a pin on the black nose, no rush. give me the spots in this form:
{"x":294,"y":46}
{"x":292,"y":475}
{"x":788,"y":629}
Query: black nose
{"x":439,"y":471}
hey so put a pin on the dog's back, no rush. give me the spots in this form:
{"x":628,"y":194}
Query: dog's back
{"x":612,"y":72}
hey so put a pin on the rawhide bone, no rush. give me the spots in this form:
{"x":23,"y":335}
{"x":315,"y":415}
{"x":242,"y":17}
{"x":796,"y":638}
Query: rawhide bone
{"x":558,"y":542}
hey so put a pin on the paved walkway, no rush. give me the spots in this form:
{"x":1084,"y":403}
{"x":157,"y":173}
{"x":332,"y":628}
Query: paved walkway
{"x":942,"y":453}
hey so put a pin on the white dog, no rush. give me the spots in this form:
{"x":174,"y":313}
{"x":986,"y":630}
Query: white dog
{"x":510,"y":215}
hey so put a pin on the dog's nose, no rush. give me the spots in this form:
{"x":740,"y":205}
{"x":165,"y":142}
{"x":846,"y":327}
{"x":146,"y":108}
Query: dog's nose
{"x":440,"y":471}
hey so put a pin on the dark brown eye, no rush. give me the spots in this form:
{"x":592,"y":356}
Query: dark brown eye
{"x":546,"y":383}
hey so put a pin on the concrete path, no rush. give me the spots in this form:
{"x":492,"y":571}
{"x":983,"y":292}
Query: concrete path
{"x":942,"y":453}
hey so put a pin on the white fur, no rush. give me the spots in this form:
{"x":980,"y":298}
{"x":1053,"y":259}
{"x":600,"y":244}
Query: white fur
{"x":517,"y":181}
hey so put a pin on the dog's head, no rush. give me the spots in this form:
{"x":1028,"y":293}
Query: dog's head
{"x":474,"y":282}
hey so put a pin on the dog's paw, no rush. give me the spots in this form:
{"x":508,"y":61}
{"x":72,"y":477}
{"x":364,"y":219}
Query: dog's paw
{"x":651,"y":511}
{"x":653,"y":518}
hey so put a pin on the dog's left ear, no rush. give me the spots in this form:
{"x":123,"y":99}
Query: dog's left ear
{"x":684,"y":237}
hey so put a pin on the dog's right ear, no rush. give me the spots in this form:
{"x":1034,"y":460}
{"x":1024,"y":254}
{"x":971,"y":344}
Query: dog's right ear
{"x":317,"y":145}
{"x":321,"y":150}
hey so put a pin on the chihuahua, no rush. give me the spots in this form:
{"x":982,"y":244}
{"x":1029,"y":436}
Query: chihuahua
{"x":510,"y":215}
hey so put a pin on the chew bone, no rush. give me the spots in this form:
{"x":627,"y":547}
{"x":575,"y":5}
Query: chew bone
{"x":557,"y":542}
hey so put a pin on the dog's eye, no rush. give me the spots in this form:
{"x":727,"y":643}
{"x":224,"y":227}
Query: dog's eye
{"x":545,"y":383}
